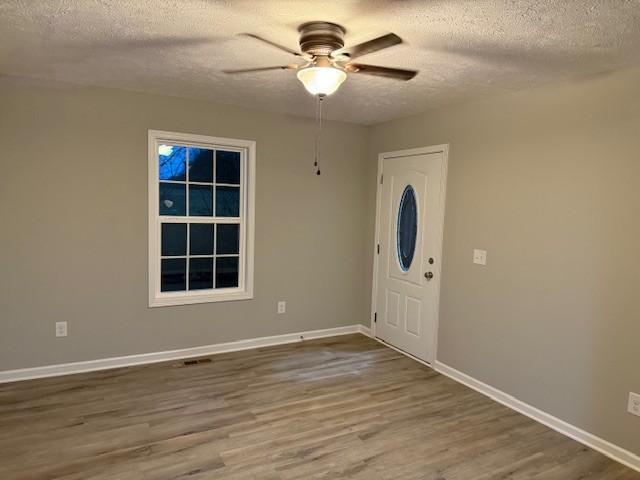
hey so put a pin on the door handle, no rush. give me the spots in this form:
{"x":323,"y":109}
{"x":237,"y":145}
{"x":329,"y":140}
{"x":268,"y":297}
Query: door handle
{"x":428,"y":276}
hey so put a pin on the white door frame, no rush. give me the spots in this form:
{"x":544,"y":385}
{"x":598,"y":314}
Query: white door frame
{"x":444,"y":149}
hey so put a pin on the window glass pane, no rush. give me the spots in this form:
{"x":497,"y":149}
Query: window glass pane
{"x":228,"y":167}
{"x":173,"y":274}
{"x":201,"y":239}
{"x":174,"y":239}
{"x":407,"y":228}
{"x":171,"y":162}
{"x":227,"y":201}
{"x":228,"y":238}
{"x":200,"y":165}
{"x":226,"y":272}
{"x":172,"y":199}
{"x":200,"y":200}
{"x":200,"y":273}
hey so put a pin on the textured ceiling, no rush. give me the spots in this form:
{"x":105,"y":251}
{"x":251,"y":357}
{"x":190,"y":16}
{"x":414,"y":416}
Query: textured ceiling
{"x":463,"y":48}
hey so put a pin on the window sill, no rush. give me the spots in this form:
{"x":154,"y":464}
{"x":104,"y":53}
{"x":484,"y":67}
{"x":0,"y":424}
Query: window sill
{"x":173,"y":300}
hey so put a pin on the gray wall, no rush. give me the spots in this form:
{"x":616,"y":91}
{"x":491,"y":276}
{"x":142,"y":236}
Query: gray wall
{"x":73,"y":210}
{"x":548,"y":181}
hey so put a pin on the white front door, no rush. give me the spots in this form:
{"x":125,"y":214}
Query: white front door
{"x":410,"y":217}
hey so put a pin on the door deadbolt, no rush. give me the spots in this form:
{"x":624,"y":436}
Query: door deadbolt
{"x":428,"y":276}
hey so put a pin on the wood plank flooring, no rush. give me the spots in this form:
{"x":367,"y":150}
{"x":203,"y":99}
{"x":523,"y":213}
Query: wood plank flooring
{"x":339,"y":408}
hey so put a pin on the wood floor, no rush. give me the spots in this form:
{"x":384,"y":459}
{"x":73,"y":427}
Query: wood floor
{"x":339,"y":408}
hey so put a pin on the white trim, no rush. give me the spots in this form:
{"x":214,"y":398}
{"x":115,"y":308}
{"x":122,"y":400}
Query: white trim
{"x":376,"y":242}
{"x":244,"y":291}
{"x":366,"y":331}
{"x":612,"y":451}
{"x":444,"y":149}
{"x":142,"y":359}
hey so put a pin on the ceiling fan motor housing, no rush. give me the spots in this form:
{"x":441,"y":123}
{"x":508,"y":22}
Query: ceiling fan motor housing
{"x":321,"y":38}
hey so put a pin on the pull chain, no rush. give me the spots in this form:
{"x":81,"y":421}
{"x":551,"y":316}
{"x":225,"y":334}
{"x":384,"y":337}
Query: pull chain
{"x":316,"y":163}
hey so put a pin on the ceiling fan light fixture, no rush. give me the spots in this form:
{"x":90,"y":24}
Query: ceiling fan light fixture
{"x":321,"y":80}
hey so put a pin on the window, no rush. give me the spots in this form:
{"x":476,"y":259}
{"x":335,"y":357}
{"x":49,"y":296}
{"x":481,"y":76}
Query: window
{"x":201,"y":199}
{"x":407,"y":228}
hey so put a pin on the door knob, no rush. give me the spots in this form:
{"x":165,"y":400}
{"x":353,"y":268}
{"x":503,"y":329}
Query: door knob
{"x":428,"y":276}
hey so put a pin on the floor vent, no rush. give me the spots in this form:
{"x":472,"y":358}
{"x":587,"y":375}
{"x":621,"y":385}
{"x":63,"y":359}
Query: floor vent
{"x":188,"y":363}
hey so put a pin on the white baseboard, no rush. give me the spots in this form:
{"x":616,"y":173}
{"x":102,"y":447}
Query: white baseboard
{"x":612,"y":451}
{"x":366,"y":331}
{"x":141,"y":359}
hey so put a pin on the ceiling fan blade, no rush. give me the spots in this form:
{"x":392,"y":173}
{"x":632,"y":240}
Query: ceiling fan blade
{"x":394,"y":73}
{"x":380,"y":43}
{"x":276,"y":45}
{"x":261,"y":69}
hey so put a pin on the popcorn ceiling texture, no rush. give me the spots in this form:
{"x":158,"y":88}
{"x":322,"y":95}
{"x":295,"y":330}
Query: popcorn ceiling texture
{"x":463,"y":48}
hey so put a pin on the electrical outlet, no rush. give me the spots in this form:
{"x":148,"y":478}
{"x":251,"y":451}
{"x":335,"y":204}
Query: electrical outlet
{"x":634,"y":404}
{"x":61,"y":329}
{"x":480,"y":257}
{"x":282,"y":306}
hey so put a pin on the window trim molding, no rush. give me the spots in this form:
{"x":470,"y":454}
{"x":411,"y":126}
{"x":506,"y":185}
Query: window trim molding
{"x":245,"y":290}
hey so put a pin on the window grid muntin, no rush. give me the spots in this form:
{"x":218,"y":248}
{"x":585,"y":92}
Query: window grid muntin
{"x":187,"y":218}
{"x":213,"y":256}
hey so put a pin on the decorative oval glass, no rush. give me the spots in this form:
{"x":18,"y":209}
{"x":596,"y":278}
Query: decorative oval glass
{"x":407,"y":228}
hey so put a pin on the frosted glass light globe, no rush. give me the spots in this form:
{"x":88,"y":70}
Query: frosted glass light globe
{"x":321,"y":80}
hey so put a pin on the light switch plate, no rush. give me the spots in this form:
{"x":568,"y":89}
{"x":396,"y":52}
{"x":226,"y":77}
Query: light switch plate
{"x":480,"y":257}
{"x":634,"y":404}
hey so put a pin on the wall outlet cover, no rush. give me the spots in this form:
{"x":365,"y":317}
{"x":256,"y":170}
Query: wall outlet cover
{"x":634,"y":404}
{"x":61,"y":329}
{"x":282,"y":306}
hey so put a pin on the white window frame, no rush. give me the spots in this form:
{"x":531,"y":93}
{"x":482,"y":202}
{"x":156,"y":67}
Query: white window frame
{"x":244,"y":291}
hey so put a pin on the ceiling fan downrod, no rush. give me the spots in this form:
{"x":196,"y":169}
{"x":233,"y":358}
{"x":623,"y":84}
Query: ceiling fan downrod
{"x":319,"y":100}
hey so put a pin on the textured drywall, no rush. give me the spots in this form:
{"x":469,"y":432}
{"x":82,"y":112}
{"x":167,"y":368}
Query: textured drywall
{"x":73,"y":216}
{"x":463,"y":48}
{"x":547,"y":182}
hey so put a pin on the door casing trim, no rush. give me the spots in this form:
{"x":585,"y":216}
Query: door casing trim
{"x":444,"y":149}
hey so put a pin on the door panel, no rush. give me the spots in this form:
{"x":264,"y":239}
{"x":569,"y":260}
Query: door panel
{"x":393,"y":308}
{"x":414,"y":306}
{"x":406,"y":299}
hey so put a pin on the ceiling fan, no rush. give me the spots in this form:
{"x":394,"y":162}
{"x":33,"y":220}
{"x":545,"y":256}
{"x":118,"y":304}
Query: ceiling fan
{"x":327,"y":61}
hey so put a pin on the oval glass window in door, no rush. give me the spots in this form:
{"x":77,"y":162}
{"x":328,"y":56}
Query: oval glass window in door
{"x":407,"y":226}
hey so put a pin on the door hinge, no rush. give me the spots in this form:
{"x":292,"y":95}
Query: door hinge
{"x":381,"y":178}
{"x":378,"y":249}
{"x":375,"y":317}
